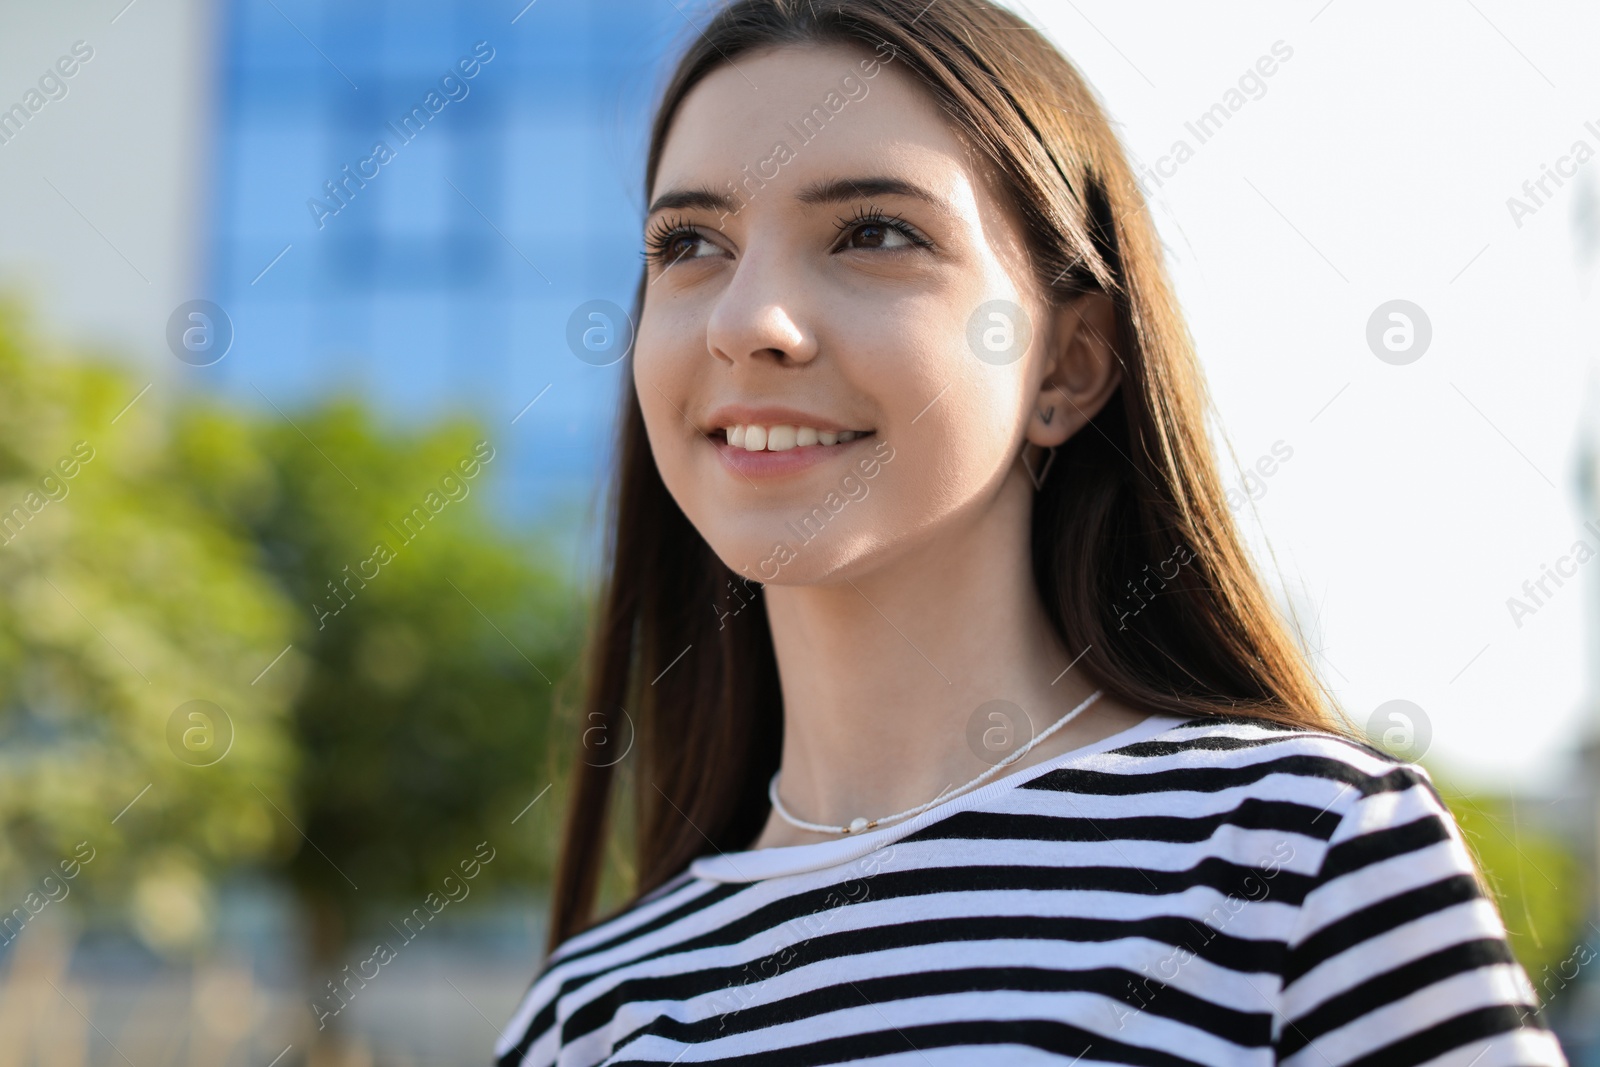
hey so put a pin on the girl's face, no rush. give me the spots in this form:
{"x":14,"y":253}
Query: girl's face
{"x":841,"y":348}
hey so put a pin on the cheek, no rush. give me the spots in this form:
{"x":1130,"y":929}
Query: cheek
{"x":653,"y":357}
{"x":960,"y":443}
{"x":664,"y":364}
{"x":961,"y":450}
{"x":654,"y":383}
{"x":665,"y":371}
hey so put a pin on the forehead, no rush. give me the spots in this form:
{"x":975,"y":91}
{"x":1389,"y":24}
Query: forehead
{"x":829,"y":117}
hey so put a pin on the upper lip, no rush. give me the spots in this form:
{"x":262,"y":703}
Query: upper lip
{"x":769,"y":415}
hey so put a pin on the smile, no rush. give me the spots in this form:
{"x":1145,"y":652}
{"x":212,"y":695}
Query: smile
{"x":783,"y":449}
{"x":781,"y":438}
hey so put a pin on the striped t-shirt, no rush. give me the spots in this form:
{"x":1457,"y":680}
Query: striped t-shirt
{"x":1187,"y":891}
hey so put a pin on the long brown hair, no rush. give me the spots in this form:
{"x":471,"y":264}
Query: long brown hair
{"x":1124,"y":497}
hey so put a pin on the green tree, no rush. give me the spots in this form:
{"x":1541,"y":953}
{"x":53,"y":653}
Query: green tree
{"x":386,"y":653}
{"x":123,"y":597}
{"x":430,"y":644}
{"x":1537,"y":881}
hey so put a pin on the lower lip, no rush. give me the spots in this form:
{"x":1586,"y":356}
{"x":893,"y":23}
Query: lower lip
{"x":766,"y":464}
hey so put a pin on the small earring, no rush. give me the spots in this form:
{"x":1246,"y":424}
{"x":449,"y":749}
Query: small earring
{"x":1044,"y":470}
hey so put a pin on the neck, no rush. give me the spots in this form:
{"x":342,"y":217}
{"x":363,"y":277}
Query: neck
{"x":883,"y":674}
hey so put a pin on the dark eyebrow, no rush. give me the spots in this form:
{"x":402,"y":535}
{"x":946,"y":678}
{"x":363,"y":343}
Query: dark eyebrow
{"x":830,"y":191}
{"x":840,"y":190}
{"x":702,"y":197}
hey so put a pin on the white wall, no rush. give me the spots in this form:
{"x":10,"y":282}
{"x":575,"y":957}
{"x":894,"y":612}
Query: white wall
{"x":127,"y":146}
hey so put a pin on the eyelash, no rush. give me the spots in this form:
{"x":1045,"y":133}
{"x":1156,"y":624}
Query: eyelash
{"x":661,"y":237}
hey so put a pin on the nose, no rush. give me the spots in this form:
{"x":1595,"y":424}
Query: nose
{"x":761,"y":316}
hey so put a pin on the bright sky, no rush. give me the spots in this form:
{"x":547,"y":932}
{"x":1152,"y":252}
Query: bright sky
{"x":1375,"y":166}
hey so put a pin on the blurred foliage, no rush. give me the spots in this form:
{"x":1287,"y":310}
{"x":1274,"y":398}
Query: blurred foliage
{"x":123,"y":596}
{"x":1538,"y":883}
{"x":429,"y":647}
{"x":407,"y":721}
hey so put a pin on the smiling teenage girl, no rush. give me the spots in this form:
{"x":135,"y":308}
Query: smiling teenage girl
{"x":938,"y":796}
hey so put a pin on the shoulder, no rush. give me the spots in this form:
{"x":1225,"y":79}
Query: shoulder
{"x":1369,"y":833}
{"x":1230,"y":786}
{"x":1229,"y":734}
{"x":1389,"y":937}
{"x":669,"y":902}
{"x":1207,"y":754}
{"x":633,"y":931}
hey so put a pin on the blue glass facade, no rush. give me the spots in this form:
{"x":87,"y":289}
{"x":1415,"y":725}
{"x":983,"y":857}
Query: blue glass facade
{"x":410,"y":199}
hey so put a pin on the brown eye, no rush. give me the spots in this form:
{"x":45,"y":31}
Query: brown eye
{"x":668,"y":246}
{"x":679,"y":247}
{"x":870,"y":235}
{"x":875,"y":232}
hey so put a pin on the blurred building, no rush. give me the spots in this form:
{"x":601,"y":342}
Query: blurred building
{"x":438,"y":274}
{"x":413,"y":199}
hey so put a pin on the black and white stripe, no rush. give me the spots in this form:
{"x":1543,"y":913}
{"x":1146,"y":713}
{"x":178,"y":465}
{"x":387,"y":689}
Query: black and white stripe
{"x":1190,"y":891}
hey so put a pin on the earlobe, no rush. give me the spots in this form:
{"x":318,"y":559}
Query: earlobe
{"x":1054,"y":419}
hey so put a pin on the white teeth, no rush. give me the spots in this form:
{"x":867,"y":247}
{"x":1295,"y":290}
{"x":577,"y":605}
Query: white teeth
{"x":781,"y":438}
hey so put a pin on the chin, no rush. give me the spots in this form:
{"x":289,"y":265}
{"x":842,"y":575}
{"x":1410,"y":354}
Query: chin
{"x":781,"y":558}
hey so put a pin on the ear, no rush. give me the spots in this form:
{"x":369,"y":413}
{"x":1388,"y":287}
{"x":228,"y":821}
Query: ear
{"x":1080,"y":369}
